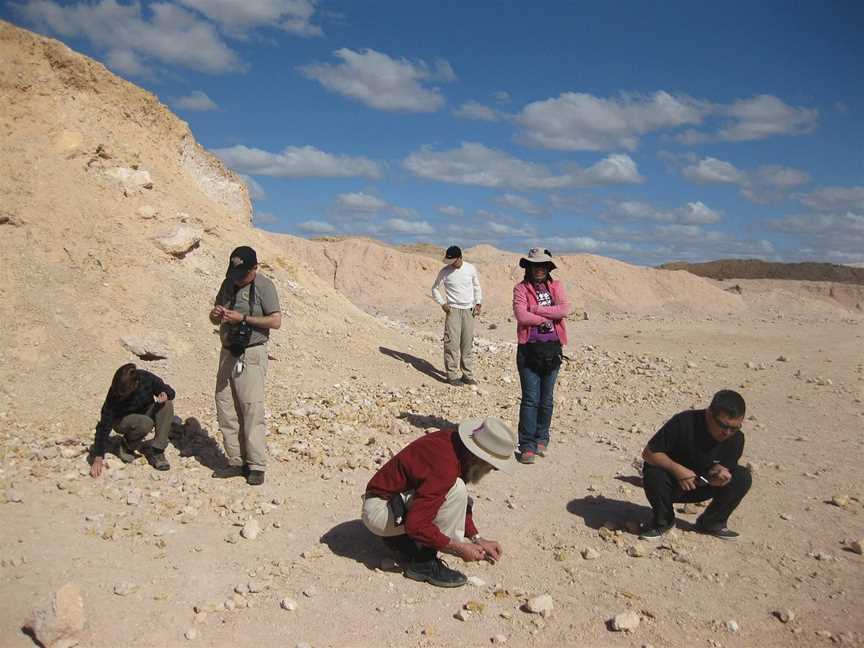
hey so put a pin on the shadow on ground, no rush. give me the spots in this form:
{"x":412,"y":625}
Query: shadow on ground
{"x":421,"y":365}
{"x":426,"y":421}
{"x":193,"y":440}
{"x":598,"y":511}
{"x":353,"y":540}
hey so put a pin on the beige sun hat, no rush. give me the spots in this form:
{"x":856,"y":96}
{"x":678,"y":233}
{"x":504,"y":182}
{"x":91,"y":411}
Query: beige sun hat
{"x":536,"y":255}
{"x":491,"y":440}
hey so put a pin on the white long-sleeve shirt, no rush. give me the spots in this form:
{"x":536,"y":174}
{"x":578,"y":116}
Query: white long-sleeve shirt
{"x":461,"y":286}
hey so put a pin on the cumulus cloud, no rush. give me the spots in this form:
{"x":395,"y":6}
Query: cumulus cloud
{"x":579,"y":121}
{"x":382,"y":82}
{"x":402,"y":226}
{"x":712,"y":170}
{"x":565,"y":244}
{"x":519,"y":203}
{"x":361,"y":202}
{"x":476,"y":164}
{"x":692,"y":213}
{"x":450,"y":210}
{"x":297,"y":162}
{"x":756,"y":118}
{"x":196,"y":101}
{"x":316,"y":227}
{"x":477,"y":111}
{"x":501,"y":97}
{"x":834,"y":198}
{"x":237,"y":18}
{"x":130,"y":41}
{"x":687,"y":242}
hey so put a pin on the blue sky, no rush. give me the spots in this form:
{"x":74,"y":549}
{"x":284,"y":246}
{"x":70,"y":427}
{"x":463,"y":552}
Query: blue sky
{"x":645,"y":131}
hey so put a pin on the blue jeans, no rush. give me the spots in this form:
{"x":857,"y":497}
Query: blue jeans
{"x":535,"y":412}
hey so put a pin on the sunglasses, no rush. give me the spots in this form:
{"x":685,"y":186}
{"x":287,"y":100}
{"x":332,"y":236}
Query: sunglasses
{"x":725,"y":426}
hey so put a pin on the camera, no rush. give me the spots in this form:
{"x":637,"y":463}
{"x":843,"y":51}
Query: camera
{"x":238,"y":338}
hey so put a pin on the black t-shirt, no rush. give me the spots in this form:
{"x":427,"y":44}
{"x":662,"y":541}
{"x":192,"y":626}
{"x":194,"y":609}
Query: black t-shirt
{"x":686,"y":440}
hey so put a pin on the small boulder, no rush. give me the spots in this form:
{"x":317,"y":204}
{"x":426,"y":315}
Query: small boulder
{"x":542,"y":605}
{"x":251,"y":529}
{"x":785,"y":615}
{"x":145,"y":348}
{"x":59,"y":623}
{"x":625,"y":621}
{"x":288,"y":604}
{"x":857,"y":546}
{"x":179,"y":241}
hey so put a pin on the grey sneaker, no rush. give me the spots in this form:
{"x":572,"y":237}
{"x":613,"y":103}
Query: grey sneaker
{"x":456,"y":382}
{"x":654,"y":533}
{"x":469,"y":381}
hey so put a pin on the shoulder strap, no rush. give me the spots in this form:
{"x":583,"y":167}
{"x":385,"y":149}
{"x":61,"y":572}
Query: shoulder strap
{"x":251,"y":297}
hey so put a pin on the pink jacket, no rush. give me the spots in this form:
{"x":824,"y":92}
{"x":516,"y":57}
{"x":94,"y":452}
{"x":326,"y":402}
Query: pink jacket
{"x":528,"y":313}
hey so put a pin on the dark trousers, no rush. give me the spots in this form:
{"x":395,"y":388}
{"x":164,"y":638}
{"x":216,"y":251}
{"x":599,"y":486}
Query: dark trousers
{"x":134,"y":427}
{"x":535,"y":410}
{"x":662,"y":490}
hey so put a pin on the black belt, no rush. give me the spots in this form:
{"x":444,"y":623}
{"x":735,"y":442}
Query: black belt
{"x":248,"y":346}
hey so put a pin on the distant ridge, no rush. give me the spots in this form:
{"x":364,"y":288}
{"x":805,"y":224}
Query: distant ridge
{"x":756,"y":269}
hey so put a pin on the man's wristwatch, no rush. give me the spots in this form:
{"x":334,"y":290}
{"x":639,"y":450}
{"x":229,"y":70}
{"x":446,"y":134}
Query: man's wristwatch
{"x":476,"y":539}
{"x":244,"y":319}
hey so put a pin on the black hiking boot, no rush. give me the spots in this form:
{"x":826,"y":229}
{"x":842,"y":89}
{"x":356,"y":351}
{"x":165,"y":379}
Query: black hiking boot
{"x":156,"y":458}
{"x":722,"y":533}
{"x":231,"y":471}
{"x":125,"y":453}
{"x":255,"y":477}
{"x":435,"y":572}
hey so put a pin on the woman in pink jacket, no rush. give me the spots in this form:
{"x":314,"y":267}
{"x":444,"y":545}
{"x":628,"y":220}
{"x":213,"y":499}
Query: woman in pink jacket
{"x":540,"y":306}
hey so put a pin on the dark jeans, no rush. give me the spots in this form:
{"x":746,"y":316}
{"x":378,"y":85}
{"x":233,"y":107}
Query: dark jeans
{"x":134,"y":427}
{"x":535,"y":412}
{"x":661,"y":489}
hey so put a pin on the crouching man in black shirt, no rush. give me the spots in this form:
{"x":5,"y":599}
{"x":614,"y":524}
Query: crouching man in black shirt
{"x":694,"y":457}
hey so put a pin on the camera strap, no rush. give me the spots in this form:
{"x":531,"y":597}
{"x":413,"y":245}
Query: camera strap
{"x":251,"y":297}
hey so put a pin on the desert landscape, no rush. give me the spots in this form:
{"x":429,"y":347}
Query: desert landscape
{"x":115,"y":229}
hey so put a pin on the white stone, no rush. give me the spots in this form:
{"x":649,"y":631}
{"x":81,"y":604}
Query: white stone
{"x":542,"y":605}
{"x":130,"y":178}
{"x":462,"y":615}
{"x":732,"y":626}
{"x":179,"y":241}
{"x":499,"y":639}
{"x":191,"y":634}
{"x":144,"y":347}
{"x":476,"y":581}
{"x":147,"y":212}
{"x":857,"y":546}
{"x":626,"y":621}
{"x":61,"y":620}
{"x":125,"y":588}
{"x":288,"y":604}
{"x":785,"y":615}
{"x":251,"y":529}
{"x":590,"y":554}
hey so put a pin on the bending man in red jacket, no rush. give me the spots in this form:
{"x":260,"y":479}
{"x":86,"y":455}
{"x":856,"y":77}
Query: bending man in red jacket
{"x":418,"y":501}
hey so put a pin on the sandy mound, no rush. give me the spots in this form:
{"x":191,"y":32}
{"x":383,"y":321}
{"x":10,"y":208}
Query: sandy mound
{"x":756,"y":269}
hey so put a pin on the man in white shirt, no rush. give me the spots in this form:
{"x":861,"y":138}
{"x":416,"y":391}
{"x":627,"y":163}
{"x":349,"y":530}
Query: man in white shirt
{"x":461,"y":301}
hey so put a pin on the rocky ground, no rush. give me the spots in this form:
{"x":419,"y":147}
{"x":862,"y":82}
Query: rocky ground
{"x":178,"y":557}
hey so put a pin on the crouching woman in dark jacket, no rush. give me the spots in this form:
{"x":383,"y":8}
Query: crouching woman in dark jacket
{"x":137,"y":402}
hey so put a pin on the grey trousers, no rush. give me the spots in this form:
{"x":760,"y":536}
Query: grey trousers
{"x":459,"y":343}
{"x":134,"y":427}
{"x":240,"y":407}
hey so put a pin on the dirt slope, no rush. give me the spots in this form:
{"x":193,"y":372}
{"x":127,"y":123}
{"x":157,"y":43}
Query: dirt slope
{"x":756,"y":269}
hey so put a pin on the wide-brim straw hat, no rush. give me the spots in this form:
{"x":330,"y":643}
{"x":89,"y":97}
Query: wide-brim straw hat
{"x":491,"y":440}
{"x":537,"y":256}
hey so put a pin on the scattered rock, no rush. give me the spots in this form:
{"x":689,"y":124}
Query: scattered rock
{"x":251,"y":529}
{"x":782,"y":358}
{"x":785,"y":615}
{"x":499,"y":639}
{"x":474,"y":606}
{"x":13,"y":495}
{"x":145,"y":348}
{"x":628,"y":621}
{"x":590,"y":554}
{"x":857,"y":546}
{"x":147,"y":212}
{"x":476,"y":581}
{"x":288,"y":604}
{"x":191,"y":634}
{"x":255,"y":587}
{"x":130,"y":178}
{"x":60,"y":622}
{"x":636,"y":551}
{"x":180,"y":241}
{"x":542,"y":605}
{"x":462,"y":615}
{"x":732,"y":626}
{"x":125,"y":588}
{"x":840,"y":500}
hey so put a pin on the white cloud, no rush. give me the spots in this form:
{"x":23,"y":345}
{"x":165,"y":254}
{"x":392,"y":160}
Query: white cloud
{"x":501,"y":97}
{"x":519,"y":203}
{"x":361,"y":202}
{"x":565,"y":244}
{"x":476,"y":164}
{"x":450,"y":210}
{"x":756,"y":118}
{"x":712,"y":170}
{"x":195,"y":100}
{"x":316,"y":227}
{"x":256,"y":191}
{"x":238,"y":17}
{"x":692,"y":213}
{"x":579,"y":121}
{"x":844,"y":222}
{"x":688,"y":242}
{"x":265,"y":218}
{"x":834,"y":198}
{"x":475,"y":110}
{"x":382,"y":82}
{"x":402,"y":226}
{"x":131,"y":42}
{"x":297,"y":162}
{"x":837,"y":236}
